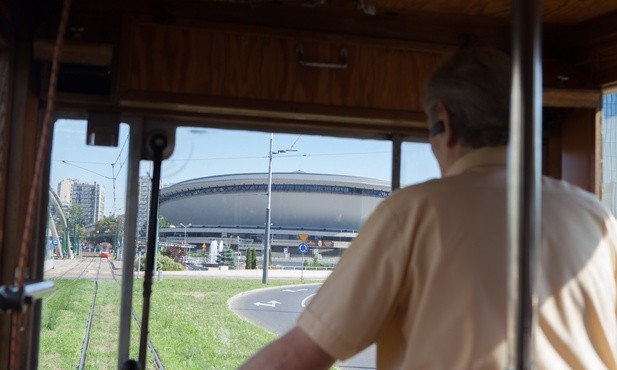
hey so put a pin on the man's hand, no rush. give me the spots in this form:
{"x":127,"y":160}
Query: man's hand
{"x":294,"y":350}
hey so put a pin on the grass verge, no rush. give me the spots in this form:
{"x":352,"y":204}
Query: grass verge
{"x":191,"y":326}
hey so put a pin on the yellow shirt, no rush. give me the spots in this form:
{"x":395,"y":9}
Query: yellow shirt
{"x":426,"y":278}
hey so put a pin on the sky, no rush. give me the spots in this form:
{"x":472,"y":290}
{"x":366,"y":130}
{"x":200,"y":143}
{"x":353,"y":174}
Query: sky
{"x":205,"y":152}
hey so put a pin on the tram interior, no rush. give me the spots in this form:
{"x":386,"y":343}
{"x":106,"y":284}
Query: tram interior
{"x":352,"y":68}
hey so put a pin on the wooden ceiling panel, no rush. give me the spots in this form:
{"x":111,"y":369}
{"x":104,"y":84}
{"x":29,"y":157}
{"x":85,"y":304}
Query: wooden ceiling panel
{"x":571,"y":12}
{"x":566,"y":12}
{"x":578,"y":47}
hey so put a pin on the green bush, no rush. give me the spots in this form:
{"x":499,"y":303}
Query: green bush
{"x":176,"y":253}
{"x":163,"y":263}
{"x":316,"y":263}
{"x":167,"y":264}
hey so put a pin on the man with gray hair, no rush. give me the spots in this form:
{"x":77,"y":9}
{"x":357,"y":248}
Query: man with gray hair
{"x":426,"y":278}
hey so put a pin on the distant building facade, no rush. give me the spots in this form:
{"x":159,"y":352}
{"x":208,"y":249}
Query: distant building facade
{"x":143,"y":205}
{"x":65,"y":189}
{"x":91,"y":197}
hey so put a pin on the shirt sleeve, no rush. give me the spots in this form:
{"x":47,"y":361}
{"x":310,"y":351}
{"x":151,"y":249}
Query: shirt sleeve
{"x":613,"y":242}
{"x":350,"y":308}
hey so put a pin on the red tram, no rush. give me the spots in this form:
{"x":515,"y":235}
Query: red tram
{"x":105,"y":250}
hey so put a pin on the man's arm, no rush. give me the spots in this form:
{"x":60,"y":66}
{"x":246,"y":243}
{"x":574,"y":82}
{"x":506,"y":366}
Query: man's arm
{"x":294,"y":350}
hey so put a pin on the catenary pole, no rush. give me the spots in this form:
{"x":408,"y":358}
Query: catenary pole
{"x":266,"y":253}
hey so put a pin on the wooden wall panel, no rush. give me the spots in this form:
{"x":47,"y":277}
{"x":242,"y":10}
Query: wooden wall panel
{"x":551,"y":146}
{"x":176,"y":60}
{"x":591,"y":47}
{"x":4,"y":135}
{"x":21,"y":146}
{"x":263,"y":66}
{"x":578,"y":149}
{"x":260,"y":67}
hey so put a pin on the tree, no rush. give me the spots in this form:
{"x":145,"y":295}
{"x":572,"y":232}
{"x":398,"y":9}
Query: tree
{"x":248,"y":258}
{"x":143,"y":228}
{"x":109,"y":224}
{"x":76,"y":225}
{"x":251,"y":259}
{"x":163,"y":222}
{"x":226,"y":258}
{"x":108,"y":229}
{"x":76,"y":214}
{"x":246,"y":264}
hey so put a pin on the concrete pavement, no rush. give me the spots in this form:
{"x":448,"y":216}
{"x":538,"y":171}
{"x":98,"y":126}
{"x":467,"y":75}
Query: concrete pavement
{"x":61,"y":266}
{"x":245,"y":274}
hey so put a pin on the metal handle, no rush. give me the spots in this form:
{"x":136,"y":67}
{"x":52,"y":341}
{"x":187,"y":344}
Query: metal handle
{"x":34,"y":291}
{"x":342,"y":64}
{"x":13,"y":299}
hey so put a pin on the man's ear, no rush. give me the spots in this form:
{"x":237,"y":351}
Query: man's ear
{"x":450,"y":137}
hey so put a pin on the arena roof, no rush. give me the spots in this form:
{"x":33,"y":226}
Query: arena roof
{"x":299,"y":200}
{"x":298,"y":176}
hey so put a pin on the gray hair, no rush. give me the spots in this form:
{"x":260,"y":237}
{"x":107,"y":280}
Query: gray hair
{"x":474,"y":86}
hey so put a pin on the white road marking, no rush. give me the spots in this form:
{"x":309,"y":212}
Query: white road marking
{"x":269,"y":303}
{"x":306,"y":299}
{"x":295,"y":290}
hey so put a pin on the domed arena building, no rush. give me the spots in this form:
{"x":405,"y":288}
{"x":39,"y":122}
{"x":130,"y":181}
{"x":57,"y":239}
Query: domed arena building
{"x":325,"y":210}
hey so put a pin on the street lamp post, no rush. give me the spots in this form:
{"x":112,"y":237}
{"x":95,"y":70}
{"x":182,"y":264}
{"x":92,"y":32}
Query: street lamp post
{"x":231,"y":246}
{"x":266,"y":253}
{"x":186,"y":245}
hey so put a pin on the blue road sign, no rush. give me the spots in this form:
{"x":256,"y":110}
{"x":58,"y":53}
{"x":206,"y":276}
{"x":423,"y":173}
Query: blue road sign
{"x":303,"y":248}
{"x":54,"y":242}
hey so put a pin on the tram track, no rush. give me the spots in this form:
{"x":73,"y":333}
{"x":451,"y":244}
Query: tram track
{"x":65,"y":273}
{"x":157,"y":361}
{"x":86,"y":342}
{"x":93,"y":318}
{"x":74,"y":279}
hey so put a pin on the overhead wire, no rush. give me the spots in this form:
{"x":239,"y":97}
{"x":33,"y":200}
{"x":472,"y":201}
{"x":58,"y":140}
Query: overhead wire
{"x":279,"y":156}
{"x":114,"y":173}
{"x":87,"y":170}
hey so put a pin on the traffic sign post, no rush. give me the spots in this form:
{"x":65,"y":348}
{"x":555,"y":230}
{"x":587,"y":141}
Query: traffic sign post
{"x":303,"y":248}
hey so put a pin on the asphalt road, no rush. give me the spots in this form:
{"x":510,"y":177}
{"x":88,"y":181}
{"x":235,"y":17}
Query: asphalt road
{"x":277,"y":309}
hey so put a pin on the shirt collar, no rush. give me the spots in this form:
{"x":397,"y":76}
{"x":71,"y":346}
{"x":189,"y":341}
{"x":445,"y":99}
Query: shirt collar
{"x":487,"y":156}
